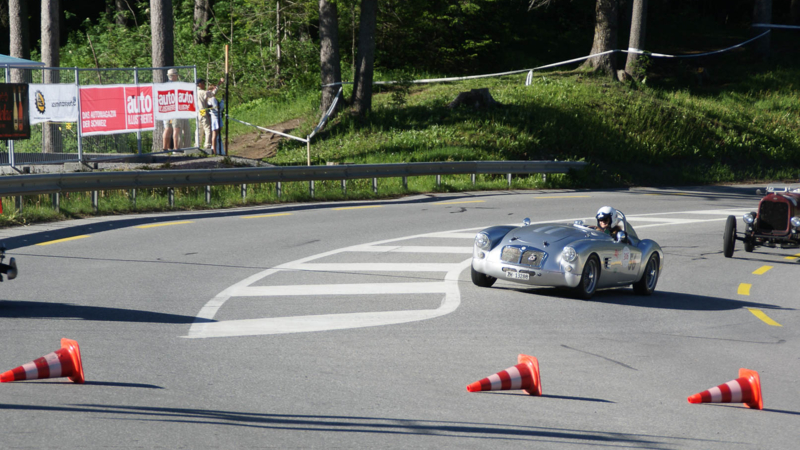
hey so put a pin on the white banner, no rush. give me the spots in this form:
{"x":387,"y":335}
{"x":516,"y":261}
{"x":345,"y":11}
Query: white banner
{"x":53,"y":103}
{"x":174,"y":100}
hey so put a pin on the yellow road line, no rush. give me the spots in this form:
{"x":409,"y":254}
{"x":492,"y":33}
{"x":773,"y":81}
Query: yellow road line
{"x":266,"y":215}
{"x":765,"y":318}
{"x":793,"y":257}
{"x":565,"y":196}
{"x":456,"y":203}
{"x":358,"y":207}
{"x":744,"y":289}
{"x":63,"y":240}
{"x":164,"y":224}
{"x":762,"y":270}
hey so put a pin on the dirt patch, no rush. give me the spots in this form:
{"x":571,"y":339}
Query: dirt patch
{"x":260,"y":144}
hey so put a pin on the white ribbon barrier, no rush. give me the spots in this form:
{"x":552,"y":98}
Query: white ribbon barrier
{"x":327,"y":114}
{"x":269,"y":131}
{"x":562,"y":63}
{"x":661,"y":55}
{"x":306,"y":140}
{"x":772,"y":25}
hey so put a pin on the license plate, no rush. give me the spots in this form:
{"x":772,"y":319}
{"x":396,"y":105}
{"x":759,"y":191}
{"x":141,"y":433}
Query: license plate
{"x":518,"y":276}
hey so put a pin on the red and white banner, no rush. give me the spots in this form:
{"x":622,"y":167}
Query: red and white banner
{"x":116,"y":109}
{"x":175,"y":100}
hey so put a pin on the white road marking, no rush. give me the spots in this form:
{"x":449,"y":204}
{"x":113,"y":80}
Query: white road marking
{"x":205,"y":326}
{"x":677,"y":223}
{"x":341,"y":289}
{"x":453,"y":235}
{"x":410,"y":249}
{"x":372,"y":267}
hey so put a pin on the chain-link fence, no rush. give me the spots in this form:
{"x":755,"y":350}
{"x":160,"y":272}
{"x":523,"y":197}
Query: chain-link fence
{"x":59,"y":142}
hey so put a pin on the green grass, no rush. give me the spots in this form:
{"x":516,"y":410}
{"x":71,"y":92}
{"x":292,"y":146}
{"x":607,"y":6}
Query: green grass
{"x":39,"y":208}
{"x":740,"y":124}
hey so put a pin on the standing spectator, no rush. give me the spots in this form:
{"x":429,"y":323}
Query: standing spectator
{"x":203,"y":108}
{"x":217,"y":106}
{"x":173,"y":128}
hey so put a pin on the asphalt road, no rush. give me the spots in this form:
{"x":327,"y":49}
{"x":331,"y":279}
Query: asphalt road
{"x":356,"y":325}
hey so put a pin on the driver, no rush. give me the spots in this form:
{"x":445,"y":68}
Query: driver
{"x":608,"y":221}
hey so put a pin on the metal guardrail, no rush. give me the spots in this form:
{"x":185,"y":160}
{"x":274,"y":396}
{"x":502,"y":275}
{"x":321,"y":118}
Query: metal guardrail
{"x":35,"y":184}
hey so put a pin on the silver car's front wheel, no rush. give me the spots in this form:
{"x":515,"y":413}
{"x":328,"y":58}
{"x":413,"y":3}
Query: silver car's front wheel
{"x":482,"y":280}
{"x":589,"y":278}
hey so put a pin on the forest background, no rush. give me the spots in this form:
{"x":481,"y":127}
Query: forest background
{"x":713,"y":119}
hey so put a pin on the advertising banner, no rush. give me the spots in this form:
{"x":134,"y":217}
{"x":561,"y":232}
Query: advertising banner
{"x":53,"y":103}
{"x":116,"y":109}
{"x":14,"y":117}
{"x":175,"y":100}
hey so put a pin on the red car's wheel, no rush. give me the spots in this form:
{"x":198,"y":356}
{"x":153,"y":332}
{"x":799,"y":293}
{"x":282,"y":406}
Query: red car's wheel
{"x":729,"y":237}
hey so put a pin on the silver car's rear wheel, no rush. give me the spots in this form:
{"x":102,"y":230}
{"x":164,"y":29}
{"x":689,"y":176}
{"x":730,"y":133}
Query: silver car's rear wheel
{"x":589,"y":278}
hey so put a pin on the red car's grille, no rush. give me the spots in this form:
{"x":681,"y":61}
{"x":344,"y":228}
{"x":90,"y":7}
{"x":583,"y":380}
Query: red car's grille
{"x":773,"y":217}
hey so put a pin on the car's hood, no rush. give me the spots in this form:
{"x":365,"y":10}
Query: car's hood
{"x":542,"y":235}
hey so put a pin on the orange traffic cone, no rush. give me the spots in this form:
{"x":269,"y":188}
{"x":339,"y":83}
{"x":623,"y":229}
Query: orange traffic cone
{"x":64,"y":362}
{"x":525,"y":376}
{"x":745,"y":389}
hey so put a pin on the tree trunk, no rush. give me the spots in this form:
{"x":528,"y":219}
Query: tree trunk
{"x":362,"y":85}
{"x":202,"y":14}
{"x":637,"y":39}
{"x":605,"y":36}
{"x":162,"y":41}
{"x":762,"y":13}
{"x":51,"y":135}
{"x":121,"y":8}
{"x":20,"y":37}
{"x":278,"y":38}
{"x":330,"y":62}
{"x":794,"y":12}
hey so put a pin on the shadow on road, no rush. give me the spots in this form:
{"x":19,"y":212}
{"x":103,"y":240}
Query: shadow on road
{"x":363,"y":425}
{"x":94,"y":383}
{"x":12,"y":309}
{"x":659,"y":299}
{"x":561,"y":397}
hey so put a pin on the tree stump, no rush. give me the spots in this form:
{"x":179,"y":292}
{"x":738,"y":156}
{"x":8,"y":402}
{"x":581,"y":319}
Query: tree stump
{"x":477,"y":98}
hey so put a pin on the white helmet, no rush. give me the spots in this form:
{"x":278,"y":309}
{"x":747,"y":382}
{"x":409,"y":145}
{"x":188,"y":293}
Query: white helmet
{"x":607,"y":212}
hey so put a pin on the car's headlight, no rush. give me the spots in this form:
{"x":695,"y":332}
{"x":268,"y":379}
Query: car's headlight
{"x":796,"y":222}
{"x":749,"y":218}
{"x":569,"y":254}
{"x":482,"y":241}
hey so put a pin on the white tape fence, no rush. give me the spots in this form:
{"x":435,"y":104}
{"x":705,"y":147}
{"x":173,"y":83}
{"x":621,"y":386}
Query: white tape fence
{"x":570,"y":61}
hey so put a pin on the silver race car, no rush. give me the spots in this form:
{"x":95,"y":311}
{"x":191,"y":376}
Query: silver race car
{"x":573,"y":255}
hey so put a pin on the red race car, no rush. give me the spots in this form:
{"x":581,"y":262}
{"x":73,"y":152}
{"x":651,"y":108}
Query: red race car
{"x":777,"y":223}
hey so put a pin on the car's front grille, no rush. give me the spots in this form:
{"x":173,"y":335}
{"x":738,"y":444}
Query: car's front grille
{"x":523,"y":255}
{"x":532,"y":258}
{"x":510,"y":254}
{"x":773,"y":216}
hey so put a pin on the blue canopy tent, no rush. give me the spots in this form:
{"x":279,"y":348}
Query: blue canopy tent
{"x":6,"y":61}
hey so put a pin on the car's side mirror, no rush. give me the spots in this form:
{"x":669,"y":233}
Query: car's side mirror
{"x":622,"y":237}
{"x":578,"y":222}
{"x":526,"y":221}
